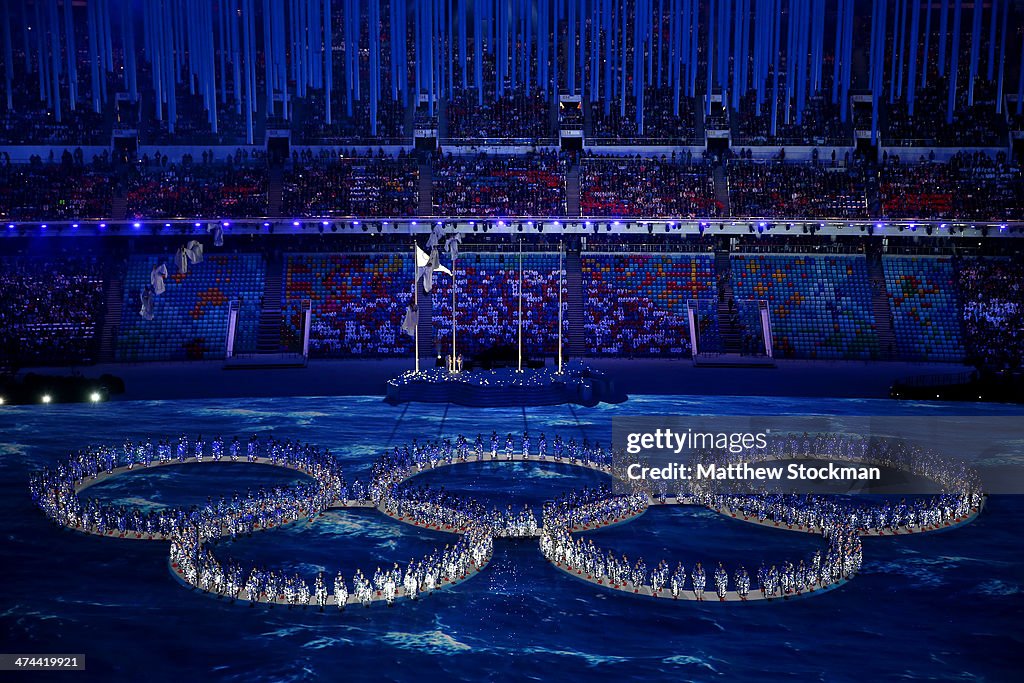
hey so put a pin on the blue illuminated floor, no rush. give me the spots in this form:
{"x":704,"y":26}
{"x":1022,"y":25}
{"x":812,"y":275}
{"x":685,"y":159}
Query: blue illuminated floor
{"x":945,"y":606}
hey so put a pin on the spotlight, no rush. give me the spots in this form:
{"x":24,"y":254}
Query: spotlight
{"x":134,"y":225}
{"x":95,"y":397}
{"x":1,"y":400}
{"x":46,"y":398}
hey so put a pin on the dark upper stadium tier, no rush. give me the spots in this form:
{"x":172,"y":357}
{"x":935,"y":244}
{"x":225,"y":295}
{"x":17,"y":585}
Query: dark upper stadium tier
{"x":778,"y":72}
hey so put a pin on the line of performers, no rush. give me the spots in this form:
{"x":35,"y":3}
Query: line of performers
{"x":197,"y":565}
{"x":842,"y":559}
{"x":54,"y":490}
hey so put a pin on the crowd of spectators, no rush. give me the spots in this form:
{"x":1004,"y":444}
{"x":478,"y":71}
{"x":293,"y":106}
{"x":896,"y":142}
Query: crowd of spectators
{"x":661,"y":124}
{"x":313,"y":126}
{"x":235,"y":188}
{"x":49,"y":309}
{"x":971,"y":185}
{"x":57,"y":189}
{"x":490,"y":185}
{"x":648,"y":186}
{"x":635,"y":304}
{"x":517,"y":114}
{"x":487,"y":304}
{"x":820,"y":124}
{"x":992,"y":295}
{"x":777,"y":189}
{"x":351,"y":185}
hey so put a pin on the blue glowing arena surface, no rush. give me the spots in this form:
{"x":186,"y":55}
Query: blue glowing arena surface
{"x":937,"y":606}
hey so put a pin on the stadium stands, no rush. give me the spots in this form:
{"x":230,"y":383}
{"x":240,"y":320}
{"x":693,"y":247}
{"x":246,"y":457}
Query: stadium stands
{"x":781,"y":190}
{"x":625,"y":186}
{"x":50,"y":309}
{"x":487,"y":304}
{"x":55,"y":191}
{"x":635,"y":304}
{"x":358,"y":300}
{"x":191,"y":316}
{"x":515,"y":115}
{"x":922,"y":298}
{"x":992,"y":292}
{"x":820,"y":306}
{"x":198,"y":191}
{"x":370,"y":186}
{"x":661,"y":125}
{"x":487,"y":185}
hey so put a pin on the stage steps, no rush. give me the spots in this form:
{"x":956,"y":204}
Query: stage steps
{"x":880,"y":308}
{"x":572,"y":190}
{"x":722,"y":189}
{"x":268,"y":332}
{"x":111,"y":320}
{"x":728,"y":320}
{"x":577,"y":340}
{"x":275,"y":190}
{"x":426,"y":189}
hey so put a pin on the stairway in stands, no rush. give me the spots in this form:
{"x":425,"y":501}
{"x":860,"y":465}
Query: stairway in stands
{"x":111,"y":319}
{"x":722,"y":190}
{"x":426,"y":329}
{"x":572,"y":190}
{"x":275,"y":190}
{"x":268,"y":332}
{"x":728,"y":323}
{"x":119,"y":204}
{"x":426,"y":189}
{"x":577,"y":346}
{"x":880,"y":308}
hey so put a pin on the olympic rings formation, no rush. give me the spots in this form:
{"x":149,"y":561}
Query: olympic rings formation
{"x":191,"y":531}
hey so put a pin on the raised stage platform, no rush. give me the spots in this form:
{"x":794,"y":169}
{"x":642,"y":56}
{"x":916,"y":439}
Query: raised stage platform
{"x":505,"y":387}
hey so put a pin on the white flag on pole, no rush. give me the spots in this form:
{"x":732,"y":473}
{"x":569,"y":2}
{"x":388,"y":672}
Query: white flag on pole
{"x":410,"y":321}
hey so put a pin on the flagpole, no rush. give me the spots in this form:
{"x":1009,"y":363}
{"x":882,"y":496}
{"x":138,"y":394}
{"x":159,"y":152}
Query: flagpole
{"x":454,"y":365}
{"x":560,"y":253}
{"x":520,"y":305}
{"x":416,"y":305}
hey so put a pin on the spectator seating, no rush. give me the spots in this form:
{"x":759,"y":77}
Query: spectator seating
{"x":820,"y":306}
{"x":635,"y":304}
{"x":624,"y":186}
{"x":369,"y":186}
{"x":358,"y":301}
{"x":661,"y":125}
{"x":820,"y":123}
{"x":49,"y":310}
{"x":487,"y":304}
{"x":925,"y":314}
{"x":516,"y":115}
{"x":781,"y":190}
{"x":54,"y":192}
{"x":992,"y":292}
{"x":198,"y":191}
{"x":191,"y":316}
{"x":485,"y":185}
